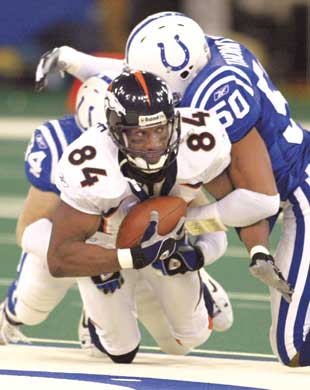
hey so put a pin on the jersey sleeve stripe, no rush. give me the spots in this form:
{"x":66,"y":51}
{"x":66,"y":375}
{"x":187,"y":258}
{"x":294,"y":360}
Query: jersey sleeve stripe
{"x":205,"y":84}
{"x":209,"y":91}
{"x":60,"y":135}
{"x":53,"y":149}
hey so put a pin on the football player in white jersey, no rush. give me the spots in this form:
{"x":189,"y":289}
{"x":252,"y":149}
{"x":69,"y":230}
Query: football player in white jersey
{"x":224,"y":77}
{"x":148,"y":150}
{"x":35,"y":293}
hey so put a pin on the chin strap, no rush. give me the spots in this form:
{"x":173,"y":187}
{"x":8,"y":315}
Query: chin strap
{"x":137,"y":179}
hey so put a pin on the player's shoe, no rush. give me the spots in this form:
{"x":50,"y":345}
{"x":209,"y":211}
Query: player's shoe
{"x":9,"y":331}
{"x":223,"y":317}
{"x":85,"y":340}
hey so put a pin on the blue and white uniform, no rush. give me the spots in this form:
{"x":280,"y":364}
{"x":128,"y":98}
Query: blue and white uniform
{"x":235,"y":86}
{"x":45,"y":148}
{"x":35,"y":293}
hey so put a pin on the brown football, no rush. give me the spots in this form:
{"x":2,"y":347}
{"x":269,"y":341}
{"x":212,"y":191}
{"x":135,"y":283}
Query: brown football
{"x":133,"y":226}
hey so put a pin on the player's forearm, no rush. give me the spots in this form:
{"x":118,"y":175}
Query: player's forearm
{"x":239,"y":208}
{"x":76,"y":259}
{"x":83,"y":66}
{"x":257,"y":234}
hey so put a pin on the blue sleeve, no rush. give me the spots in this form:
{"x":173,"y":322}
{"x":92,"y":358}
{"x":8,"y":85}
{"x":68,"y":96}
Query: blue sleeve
{"x":240,"y":110}
{"x":231,"y":96}
{"x":38,"y":163}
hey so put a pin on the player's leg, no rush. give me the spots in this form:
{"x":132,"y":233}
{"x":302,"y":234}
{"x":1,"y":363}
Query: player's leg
{"x":222,"y":316}
{"x":290,"y":330}
{"x":151,"y":315}
{"x":112,"y":318}
{"x":31,"y":297}
{"x":182,"y":302}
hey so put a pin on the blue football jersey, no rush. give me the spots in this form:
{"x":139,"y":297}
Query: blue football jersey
{"x":235,"y":86}
{"x":45,"y":149}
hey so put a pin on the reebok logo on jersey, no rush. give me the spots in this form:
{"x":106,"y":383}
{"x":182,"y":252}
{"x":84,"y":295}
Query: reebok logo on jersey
{"x":221,"y":92}
{"x":62,"y":180}
{"x":40,"y":140}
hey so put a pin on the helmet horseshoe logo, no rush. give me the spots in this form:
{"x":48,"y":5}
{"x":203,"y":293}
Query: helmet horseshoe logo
{"x":164,"y":59}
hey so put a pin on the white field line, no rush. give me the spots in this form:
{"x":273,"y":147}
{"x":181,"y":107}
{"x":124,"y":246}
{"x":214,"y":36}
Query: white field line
{"x":235,"y":296}
{"x":149,"y":348}
{"x":11,"y":206}
{"x":22,"y":128}
{"x":19,"y":128}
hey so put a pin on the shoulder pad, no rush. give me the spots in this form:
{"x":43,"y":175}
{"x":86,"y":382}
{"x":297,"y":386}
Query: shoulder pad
{"x":205,"y":147}
{"x":89,"y":173}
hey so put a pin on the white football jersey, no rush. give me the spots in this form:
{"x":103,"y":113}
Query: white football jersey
{"x":90,"y":178}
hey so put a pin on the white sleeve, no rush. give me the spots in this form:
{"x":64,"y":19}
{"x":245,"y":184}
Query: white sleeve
{"x":212,"y":245}
{"x":239,"y":208}
{"x":83,"y":66}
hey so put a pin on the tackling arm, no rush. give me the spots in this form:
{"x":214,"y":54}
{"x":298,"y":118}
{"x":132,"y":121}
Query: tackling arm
{"x":78,"y":64}
{"x":251,"y":168}
{"x":247,"y":191}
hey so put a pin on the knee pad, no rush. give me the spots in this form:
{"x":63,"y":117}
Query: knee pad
{"x":125,"y":358}
{"x":171,"y":346}
{"x":20,"y":312}
{"x":29,"y":315}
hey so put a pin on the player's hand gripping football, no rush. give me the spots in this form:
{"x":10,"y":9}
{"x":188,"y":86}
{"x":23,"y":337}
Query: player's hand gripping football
{"x":263,"y":267}
{"x":186,"y":258}
{"x":49,"y":62}
{"x":154,"y":246}
{"x":108,"y":283}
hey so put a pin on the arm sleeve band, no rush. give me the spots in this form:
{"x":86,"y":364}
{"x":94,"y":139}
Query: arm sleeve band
{"x":36,"y":237}
{"x":125,"y":258}
{"x":239,"y":208}
{"x":212,"y":245}
{"x":82,"y":65}
{"x":259,"y":249}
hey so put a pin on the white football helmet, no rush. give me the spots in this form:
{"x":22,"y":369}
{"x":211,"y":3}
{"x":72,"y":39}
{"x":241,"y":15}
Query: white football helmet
{"x":171,"y":45}
{"x":89,"y":106}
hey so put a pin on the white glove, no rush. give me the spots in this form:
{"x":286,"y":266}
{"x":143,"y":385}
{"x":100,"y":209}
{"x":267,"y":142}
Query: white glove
{"x":55,"y":60}
{"x":263,"y":267}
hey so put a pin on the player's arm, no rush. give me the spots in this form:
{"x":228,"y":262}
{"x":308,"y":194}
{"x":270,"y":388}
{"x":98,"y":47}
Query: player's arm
{"x":78,"y":64}
{"x":247,"y":190}
{"x":251,"y":168}
{"x":69,"y":254}
{"x":38,"y":204}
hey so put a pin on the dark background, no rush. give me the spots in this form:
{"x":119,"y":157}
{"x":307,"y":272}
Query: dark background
{"x":277,"y":32}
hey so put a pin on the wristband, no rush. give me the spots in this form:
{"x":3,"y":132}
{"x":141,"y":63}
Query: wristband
{"x":259,"y":249}
{"x":124,"y":258}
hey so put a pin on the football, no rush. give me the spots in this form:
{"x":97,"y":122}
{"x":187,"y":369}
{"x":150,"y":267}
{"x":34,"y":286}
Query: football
{"x":133,"y":226}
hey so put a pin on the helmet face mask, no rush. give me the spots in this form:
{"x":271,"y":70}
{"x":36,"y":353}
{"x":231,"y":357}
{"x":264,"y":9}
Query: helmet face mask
{"x":142,"y":120}
{"x":170,"y":45}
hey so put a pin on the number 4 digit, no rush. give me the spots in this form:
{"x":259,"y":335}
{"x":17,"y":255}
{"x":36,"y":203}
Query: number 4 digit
{"x":89,"y":179}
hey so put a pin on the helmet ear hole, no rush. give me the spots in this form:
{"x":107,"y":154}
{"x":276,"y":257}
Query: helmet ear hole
{"x":184,"y":74}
